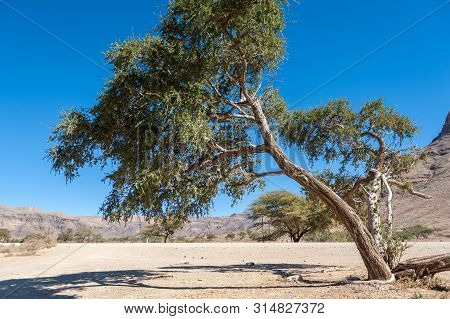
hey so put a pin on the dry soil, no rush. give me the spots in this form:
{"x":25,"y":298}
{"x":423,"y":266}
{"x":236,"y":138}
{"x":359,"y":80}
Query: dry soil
{"x":241,"y":270}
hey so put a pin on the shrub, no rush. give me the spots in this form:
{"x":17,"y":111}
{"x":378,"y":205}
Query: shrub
{"x":30,"y":245}
{"x":416,"y":231}
{"x":66,"y":236}
{"x":5,"y":235}
{"x":211,"y":237}
{"x":98,"y":238}
{"x":230,"y":236}
{"x":35,"y":242}
{"x":393,"y":247}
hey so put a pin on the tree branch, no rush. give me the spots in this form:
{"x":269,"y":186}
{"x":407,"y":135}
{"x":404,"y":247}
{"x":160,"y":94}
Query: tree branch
{"x":408,"y":189}
{"x":265,"y":174}
{"x":381,"y":149}
{"x":348,"y":197}
{"x":233,"y":116}
{"x":249,"y":149}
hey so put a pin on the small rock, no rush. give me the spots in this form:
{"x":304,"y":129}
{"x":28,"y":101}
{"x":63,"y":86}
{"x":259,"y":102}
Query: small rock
{"x":250,"y":264}
{"x":296,"y":278}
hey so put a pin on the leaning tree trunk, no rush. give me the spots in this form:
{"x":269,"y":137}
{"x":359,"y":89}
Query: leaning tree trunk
{"x":374,"y":262}
{"x":420,"y":267}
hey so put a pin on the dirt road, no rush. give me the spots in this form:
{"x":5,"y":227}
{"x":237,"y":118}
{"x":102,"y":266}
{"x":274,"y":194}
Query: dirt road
{"x":241,"y":270}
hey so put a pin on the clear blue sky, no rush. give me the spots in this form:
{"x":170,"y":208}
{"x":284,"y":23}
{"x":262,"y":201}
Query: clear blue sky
{"x":41,"y":77}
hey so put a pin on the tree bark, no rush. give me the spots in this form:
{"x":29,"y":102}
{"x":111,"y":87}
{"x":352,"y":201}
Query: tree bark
{"x":374,"y":217}
{"x":376,"y":267}
{"x":420,"y":267}
{"x":390,"y":214}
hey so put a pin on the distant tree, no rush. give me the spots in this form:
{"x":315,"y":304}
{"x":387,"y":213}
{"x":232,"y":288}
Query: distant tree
{"x":230,"y":236}
{"x":164,"y":226}
{"x":416,"y":231}
{"x":5,"y":235}
{"x":290,"y":214}
{"x":98,"y":238}
{"x":66,"y":236}
{"x":84,"y":235}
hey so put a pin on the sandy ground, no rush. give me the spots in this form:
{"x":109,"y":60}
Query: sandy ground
{"x":201,"y":271}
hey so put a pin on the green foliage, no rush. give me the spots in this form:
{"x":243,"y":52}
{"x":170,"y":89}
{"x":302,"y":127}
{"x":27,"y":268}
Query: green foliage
{"x":166,"y":127}
{"x":329,"y":236}
{"x":164,"y":226}
{"x":230,"y":236}
{"x":87,"y":235}
{"x":394,"y":246}
{"x":66,"y":236}
{"x":153,"y":119}
{"x":5,"y":235}
{"x":393,"y":249}
{"x":415,"y":232}
{"x":340,"y":135}
{"x":289,"y":214}
{"x":34,"y":242}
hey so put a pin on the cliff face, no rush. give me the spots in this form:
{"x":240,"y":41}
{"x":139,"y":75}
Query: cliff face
{"x":432,"y":177}
{"x":445,"y":129}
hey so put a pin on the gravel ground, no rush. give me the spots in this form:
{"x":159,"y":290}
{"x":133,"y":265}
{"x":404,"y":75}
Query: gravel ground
{"x":228,"y":270}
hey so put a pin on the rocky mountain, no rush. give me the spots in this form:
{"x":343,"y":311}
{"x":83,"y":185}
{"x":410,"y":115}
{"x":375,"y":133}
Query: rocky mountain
{"x":23,"y":221}
{"x":430,"y":176}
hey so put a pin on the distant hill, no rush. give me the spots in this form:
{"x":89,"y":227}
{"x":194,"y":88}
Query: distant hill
{"x":431,"y":176}
{"x":22,"y":221}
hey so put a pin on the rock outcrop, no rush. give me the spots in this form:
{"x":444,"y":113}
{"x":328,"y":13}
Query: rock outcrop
{"x":431,"y":176}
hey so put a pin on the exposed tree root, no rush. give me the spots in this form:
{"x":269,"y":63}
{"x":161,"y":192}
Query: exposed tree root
{"x":370,"y":282}
{"x":421,"y":267}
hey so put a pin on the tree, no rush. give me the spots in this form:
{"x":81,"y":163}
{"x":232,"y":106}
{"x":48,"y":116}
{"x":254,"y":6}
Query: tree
{"x":5,"y":235}
{"x":175,"y":124}
{"x":84,"y":235}
{"x":290,"y":214}
{"x":164,"y":226}
{"x":373,"y":140}
{"x":66,"y":236}
{"x":230,"y":236}
{"x":416,"y":231}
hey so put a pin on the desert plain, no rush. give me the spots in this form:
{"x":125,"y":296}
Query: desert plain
{"x":204,"y":270}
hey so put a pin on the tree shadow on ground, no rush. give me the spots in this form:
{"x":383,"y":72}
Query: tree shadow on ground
{"x":283,"y":270}
{"x":53,"y":287}
{"x":68,"y":286}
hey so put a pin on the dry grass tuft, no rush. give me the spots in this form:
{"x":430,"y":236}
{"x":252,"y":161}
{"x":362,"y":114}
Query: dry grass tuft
{"x":30,"y":246}
{"x":431,"y":283}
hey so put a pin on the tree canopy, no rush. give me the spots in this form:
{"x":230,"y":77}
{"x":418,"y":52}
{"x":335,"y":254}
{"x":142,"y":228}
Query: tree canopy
{"x":165,"y":110}
{"x":174,"y":126}
{"x":289,"y":214}
{"x":164,"y":226}
{"x":5,"y":235}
